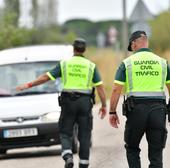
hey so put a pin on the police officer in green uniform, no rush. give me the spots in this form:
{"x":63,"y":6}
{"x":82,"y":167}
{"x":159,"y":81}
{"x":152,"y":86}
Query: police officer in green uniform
{"x":144,"y":75}
{"x":79,"y":77}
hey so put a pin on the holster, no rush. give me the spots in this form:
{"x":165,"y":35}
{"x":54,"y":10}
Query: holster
{"x":168,"y":109}
{"x":128,"y":105}
{"x":124,"y":107}
{"x":59,"y":100}
{"x":93,"y":96}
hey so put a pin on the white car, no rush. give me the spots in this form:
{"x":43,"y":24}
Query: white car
{"x":30,"y":117}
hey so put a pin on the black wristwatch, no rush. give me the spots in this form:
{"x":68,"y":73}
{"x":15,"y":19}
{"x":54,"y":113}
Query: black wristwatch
{"x":112,"y":112}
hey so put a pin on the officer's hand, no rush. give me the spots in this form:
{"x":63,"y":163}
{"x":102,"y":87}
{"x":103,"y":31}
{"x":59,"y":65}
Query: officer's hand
{"x":114,"y":120}
{"x":22,"y":87}
{"x":102,"y":112}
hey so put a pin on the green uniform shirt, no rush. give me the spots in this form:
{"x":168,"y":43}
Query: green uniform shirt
{"x":56,"y":72}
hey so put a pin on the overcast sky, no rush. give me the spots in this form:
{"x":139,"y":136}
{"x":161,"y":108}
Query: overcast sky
{"x":96,"y":10}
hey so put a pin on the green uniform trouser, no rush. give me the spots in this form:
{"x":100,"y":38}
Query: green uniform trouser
{"x":76,"y":109}
{"x":149,"y":117}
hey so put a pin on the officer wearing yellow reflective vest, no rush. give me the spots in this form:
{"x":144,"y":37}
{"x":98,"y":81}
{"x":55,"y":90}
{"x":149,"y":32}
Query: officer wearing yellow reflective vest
{"x":144,"y":75}
{"x":79,"y":76}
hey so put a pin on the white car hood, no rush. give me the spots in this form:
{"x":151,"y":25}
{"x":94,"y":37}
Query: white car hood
{"x":34,"y":105}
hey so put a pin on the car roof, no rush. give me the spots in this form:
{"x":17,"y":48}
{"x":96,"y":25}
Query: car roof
{"x":36,"y":53}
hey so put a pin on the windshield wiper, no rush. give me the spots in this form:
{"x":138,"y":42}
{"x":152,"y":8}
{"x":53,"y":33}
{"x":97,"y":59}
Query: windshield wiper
{"x":31,"y":93}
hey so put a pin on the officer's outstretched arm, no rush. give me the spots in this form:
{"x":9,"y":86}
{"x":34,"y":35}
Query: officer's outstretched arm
{"x":40,"y":80}
{"x":102,"y":96}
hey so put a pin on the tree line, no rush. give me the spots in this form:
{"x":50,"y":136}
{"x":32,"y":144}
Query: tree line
{"x":11,"y":35}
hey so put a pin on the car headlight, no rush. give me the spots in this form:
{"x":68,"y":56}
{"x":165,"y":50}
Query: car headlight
{"x":51,"y":117}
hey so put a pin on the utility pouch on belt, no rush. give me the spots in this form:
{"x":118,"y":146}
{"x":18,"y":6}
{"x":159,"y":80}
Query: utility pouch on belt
{"x":168,"y":109}
{"x":59,"y":100}
{"x":128,"y":105}
{"x":164,"y":138}
{"x":124,"y":109}
{"x":93,"y":96}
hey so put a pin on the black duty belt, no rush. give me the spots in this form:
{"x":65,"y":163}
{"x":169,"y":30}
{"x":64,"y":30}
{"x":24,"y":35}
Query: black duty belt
{"x":149,"y":100}
{"x":75,"y":94}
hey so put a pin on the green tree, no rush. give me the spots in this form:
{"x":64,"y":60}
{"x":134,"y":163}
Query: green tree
{"x":35,"y":12}
{"x":52,"y":35}
{"x":82,"y":28}
{"x":160,"y":39}
{"x":89,"y":30}
{"x":12,"y":8}
{"x":12,"y":36}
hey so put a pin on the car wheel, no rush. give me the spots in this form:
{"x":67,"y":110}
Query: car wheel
{"x":75,"y":140}
{"x":3,"y":151}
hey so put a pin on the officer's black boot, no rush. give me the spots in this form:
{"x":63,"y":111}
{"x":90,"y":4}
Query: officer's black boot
{"x":68,"y":161}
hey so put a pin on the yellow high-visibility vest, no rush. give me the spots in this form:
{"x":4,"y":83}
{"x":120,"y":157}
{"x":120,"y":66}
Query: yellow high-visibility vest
{"x":145,"y":74}
{"x":77,"y":74}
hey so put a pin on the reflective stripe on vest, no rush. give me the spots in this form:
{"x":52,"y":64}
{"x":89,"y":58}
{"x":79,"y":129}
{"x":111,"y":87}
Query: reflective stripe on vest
{"x":164,"y":73}
{"x":77,"y":74}
{"x":145,"y":74}
{"x":129,"y":71}
{"x":64,"y":73}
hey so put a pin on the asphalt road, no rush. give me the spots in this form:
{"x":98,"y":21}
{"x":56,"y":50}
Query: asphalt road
{"x":107,"y":151}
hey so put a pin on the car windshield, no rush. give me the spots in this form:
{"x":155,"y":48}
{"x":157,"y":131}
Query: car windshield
{"x":13,"y":75}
